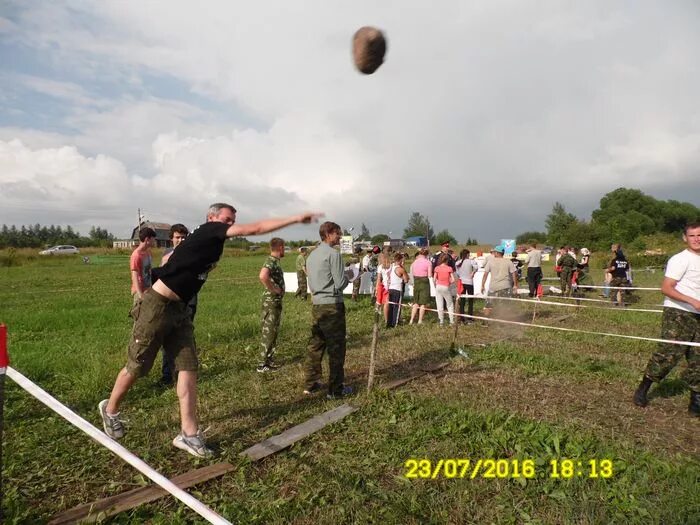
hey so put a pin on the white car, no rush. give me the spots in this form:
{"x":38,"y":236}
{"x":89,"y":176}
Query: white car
{"x":63,"y":249}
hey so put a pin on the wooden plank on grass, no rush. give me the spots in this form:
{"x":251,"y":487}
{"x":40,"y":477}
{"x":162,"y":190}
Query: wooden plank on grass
{"x":294,"y":434}
{"x":104,"y":508}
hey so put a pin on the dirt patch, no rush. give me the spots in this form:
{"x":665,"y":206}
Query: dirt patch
{"x":601,"y":406}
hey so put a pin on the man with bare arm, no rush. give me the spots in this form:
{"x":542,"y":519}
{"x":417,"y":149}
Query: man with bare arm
{"x":680,"y":322}
{"x":164,"y":319}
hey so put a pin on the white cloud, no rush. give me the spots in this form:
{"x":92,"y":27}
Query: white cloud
{"x":477,"y":104}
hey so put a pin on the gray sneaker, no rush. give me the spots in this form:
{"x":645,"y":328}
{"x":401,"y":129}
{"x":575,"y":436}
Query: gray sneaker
{"x":113,"y":426}
{"x":193,"y":444}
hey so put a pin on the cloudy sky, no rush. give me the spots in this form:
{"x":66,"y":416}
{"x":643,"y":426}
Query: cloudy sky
{"x":484,"y":114}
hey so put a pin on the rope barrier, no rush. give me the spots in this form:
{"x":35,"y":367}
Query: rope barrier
{"x":99,"y":436}
{"x":573,"y":330}
{"x":605,"y":287}
{"x":570,"y":298}
{"x":537,"y":301}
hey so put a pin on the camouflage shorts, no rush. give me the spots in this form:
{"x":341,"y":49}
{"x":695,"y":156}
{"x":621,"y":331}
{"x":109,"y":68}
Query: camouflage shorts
{"x":677,"y":325}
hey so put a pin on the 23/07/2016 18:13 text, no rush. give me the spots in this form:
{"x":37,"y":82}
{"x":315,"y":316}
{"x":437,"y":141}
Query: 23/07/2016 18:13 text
{"x":506,"y":468}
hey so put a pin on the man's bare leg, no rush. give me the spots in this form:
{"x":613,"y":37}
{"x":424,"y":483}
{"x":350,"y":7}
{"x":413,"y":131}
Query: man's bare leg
{"x":187,"y":394}
{"x":123,"y":383}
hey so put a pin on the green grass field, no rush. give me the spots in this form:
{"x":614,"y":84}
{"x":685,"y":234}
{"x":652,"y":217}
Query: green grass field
{"x":533,"y":394}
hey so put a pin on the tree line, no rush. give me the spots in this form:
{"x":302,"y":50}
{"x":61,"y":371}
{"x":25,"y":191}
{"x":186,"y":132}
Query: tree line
{"x":624,"y":215}
{"x":418,"y":226}
{"x":38,"y":236}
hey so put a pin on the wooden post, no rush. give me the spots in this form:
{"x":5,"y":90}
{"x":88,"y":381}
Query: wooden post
{"x":373,"y":351}
{"x":457,"y":319}
{"x":4,"y":363}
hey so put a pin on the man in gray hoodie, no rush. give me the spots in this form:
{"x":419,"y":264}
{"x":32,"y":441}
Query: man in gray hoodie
{"x":327,"y":280}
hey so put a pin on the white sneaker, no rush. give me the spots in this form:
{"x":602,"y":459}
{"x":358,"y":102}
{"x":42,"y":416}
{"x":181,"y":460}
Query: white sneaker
{"x":193,"y":444}
{"x":114,"y":427}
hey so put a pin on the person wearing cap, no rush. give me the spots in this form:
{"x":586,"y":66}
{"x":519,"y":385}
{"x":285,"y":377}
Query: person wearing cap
{"x":504,"y":276}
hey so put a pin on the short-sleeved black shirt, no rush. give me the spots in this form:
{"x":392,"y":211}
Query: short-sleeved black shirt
{"x":619,"y":265}
{"x":188,"y":266}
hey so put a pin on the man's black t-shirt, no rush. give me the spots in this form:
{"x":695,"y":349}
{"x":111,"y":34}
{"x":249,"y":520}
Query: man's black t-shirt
{"x":188,"y":266}
{"x":450,"y":261}
{"x":620,"y":266}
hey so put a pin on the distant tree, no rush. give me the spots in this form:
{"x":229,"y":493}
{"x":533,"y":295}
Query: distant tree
{"x":678,"y":214}
{"x":471,"y":242}
{"x":623,"y":201}
{"x":444,"y":236}
{"x":558,"y":222}
{"x":100,"y":237}
{"x":380,"y":238}
{"x":530,"y":237}
{"x":364,"y":233}
{"x":419,"y":226}
{"x":239,"y":242}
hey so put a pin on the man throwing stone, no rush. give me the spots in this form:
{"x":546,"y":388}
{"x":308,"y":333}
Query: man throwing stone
{"x":164,"y":320}
{"x":680,"y":322}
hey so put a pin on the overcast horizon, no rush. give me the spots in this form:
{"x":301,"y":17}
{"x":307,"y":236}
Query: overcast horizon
{"x":482,"y":117}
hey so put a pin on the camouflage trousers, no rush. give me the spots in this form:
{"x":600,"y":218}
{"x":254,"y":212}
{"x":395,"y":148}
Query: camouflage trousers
{"x":327,"y":335}
{"x":270,"y":320}
{"x":565,"y":280}
{"x":678,"y":325}
{"x":356,"y":286}
{"x":301,"y":285}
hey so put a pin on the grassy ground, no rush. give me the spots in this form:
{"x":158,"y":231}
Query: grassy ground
{"x":533,"y":394}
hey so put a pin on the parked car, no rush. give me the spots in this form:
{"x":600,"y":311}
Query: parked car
{"x":63,"y":249}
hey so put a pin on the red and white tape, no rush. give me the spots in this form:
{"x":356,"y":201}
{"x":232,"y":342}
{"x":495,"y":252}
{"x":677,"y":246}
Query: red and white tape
{"x":99,"y":436}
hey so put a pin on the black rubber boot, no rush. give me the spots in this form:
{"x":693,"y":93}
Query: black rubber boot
{"x":640,"y":395}
{"x":694,"y":406}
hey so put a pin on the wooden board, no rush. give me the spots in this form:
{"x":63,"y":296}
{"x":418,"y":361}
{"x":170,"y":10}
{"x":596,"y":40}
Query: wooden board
{"x":101,"y":509}
{"x":294,"y":434}
{"x":104,"y":508}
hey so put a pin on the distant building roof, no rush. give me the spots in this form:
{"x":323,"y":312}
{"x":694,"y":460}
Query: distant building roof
{"x":162,"y":230}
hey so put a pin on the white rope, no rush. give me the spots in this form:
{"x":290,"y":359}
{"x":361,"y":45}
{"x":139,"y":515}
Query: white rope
{"x":537,"y":301}
{"x":604,"y":287}
{"x":119,"y":450}
{"x":618,"y":287}
{"x":564,"y":298}
{"x":561,"y":329}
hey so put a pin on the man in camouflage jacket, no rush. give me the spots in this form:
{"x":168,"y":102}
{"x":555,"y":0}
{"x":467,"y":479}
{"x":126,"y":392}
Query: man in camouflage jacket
{"x":272,"y":278}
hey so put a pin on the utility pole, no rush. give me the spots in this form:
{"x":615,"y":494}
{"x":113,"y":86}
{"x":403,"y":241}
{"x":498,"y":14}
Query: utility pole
{"x":427,"y":232}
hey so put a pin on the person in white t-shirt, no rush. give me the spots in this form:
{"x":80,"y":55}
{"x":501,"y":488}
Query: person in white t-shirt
{"x":681,"y":322}
{"x":466,"y":268}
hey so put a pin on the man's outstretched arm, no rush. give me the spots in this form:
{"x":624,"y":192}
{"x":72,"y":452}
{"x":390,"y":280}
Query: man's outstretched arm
{"x":270,"y":225}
